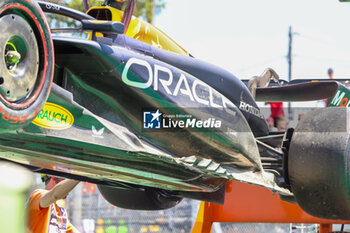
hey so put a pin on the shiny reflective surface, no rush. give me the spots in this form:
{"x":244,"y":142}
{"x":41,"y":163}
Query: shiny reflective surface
{"x":107,"y":88}
{"x":20,"y":62}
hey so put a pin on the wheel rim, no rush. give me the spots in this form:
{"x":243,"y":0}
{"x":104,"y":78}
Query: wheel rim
{"x":12,"y":56}
{"x":20,"y":56}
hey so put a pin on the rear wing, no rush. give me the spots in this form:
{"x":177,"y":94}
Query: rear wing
{"x":336,"y":90}
{"x":282,"y":82}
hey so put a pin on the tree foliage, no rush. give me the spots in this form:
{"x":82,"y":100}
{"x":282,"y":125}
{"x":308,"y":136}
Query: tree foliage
{"x":78,"y":4}
{"x":146,"y":9}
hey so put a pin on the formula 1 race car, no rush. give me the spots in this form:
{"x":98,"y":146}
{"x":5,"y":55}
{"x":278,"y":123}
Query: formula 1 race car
{"x":129,"y":109}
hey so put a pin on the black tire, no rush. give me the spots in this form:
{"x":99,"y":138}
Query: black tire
{"x":26,"y":79}
{"x":319,"y":163}
{"x":146,"y":199}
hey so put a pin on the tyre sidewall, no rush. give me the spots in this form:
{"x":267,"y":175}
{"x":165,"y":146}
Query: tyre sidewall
{"x":13,"y":118}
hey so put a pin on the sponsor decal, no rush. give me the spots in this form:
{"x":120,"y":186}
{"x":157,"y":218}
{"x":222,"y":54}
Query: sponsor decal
{"x":250,"y":109}
{"x":340,"y":99}
{"x":195,"y":90}
{"x":53,"y":116}
{"x":12,"y":119}
{"x":158,"y":120}
{"x":50,"y":6}
{"x":97,"y":133}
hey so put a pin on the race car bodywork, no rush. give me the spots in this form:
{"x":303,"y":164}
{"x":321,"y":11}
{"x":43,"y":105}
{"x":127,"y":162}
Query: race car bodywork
{"x":138,"y":113}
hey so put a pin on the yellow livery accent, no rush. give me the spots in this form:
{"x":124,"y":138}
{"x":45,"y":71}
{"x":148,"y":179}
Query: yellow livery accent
{"x":53,"y":116}
{"x":138,"y":29}
{"x":98,"y":21}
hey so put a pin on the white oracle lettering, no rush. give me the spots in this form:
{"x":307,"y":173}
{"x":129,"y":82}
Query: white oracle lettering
{"x":211,"y":99}
{"x":186,"y":91}
{"x":226,"y":102}
{"x":199,"y":91}
{"x":195,"y":83}
{"x":145,"y":64}
{"x":165,"y":83}
{"x":338,"y":97}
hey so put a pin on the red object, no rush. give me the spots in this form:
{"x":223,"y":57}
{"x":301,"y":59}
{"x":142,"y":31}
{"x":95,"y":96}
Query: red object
{"x":276,"y":109}
{"x":245,"y":203}
{"x":36,"y":94}
{"x":89,"y":188}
